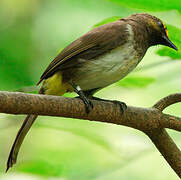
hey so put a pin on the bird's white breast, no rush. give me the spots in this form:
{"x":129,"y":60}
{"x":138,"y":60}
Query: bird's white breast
{"x":108,"y":68}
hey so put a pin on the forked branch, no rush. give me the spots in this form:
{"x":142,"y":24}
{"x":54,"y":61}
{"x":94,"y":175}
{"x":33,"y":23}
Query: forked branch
{"x":151,"y":121}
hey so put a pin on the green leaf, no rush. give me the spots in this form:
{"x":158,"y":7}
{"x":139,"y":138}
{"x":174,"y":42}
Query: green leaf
{"x":41,"y":167}
{"x":150,"y":5}
{"x":175,"y":37}
{"x":107,"y":20}
{"x":136,"y":82}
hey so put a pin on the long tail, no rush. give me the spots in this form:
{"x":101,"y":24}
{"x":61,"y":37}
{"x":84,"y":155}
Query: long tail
{"x":28,"y":122}
{"x":54,"y":86}
{"x":19,"y":139}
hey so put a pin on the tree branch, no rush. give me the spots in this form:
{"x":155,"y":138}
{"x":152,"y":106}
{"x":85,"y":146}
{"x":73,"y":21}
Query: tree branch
{"x":167,"y":101}
{"x":151,"y":121}
{"x":167,"y":148}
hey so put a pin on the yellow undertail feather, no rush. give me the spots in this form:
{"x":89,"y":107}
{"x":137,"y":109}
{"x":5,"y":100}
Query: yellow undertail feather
{"x":55,"y":86}
{"x":51,"y":86}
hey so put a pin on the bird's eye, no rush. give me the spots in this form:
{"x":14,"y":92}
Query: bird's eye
{"x":163,"y":27}
{"x":160,"y":24}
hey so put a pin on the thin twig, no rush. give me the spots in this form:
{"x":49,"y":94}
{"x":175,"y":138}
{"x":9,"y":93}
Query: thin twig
{"x":171,"y":122}
{"x":167,"y":101}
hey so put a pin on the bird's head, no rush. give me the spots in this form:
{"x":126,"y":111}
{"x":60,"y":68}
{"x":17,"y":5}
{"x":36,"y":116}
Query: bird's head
{"x":157,"y":31}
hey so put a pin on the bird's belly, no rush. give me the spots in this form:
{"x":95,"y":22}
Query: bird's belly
{"x":107,"y":69}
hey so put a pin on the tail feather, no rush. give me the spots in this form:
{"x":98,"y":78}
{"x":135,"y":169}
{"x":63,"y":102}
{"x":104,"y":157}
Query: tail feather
{"x":19,"y":139}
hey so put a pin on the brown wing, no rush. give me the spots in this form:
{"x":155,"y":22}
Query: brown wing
{"x":93,"y":43}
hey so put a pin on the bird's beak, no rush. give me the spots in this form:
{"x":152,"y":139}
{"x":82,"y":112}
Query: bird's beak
{"x":169,"y":43}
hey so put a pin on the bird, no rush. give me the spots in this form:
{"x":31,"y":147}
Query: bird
{"x":102,"y":56}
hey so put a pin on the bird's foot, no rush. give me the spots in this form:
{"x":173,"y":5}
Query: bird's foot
{"x":83,"y":97}
{"x":88,"y":104}
{"x":122,"y":105}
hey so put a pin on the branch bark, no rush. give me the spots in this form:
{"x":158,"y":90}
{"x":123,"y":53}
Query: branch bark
{"x":152,"y":121}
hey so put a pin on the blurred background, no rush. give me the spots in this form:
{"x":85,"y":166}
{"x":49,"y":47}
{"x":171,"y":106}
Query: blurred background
{"x":32,"y":33}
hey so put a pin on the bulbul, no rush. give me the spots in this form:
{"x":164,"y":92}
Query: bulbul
{"x":97,"y":59}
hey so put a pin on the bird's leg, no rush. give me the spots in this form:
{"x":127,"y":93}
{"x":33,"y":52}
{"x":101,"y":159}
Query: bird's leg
{"x":122,"y":105}
{"x":82,"y":96}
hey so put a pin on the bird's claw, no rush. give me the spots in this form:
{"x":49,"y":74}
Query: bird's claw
{"x":121,"y":104}
{"x":88,"y":104}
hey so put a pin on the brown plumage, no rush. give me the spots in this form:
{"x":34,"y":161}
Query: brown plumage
{"x":94,"y":43}
{"x":97,"y":59}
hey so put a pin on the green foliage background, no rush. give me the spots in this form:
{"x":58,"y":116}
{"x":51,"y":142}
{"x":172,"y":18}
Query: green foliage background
{"x":31,"y":35}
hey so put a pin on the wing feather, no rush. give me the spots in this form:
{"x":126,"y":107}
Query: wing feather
{"x":103,"y":38}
